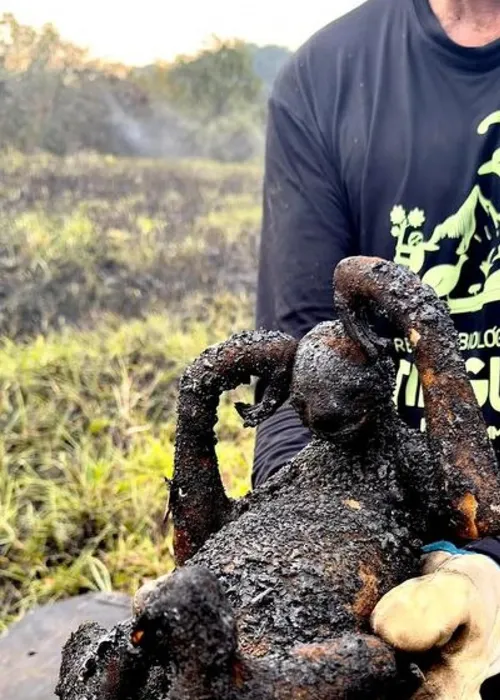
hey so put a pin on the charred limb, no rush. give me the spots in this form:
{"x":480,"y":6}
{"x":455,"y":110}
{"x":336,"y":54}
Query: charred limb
{"x":456,"y":430}
{"x":198,"y":503}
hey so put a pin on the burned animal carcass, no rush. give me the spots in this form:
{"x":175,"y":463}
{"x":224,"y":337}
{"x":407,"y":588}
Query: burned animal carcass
{"x":272,"y":594}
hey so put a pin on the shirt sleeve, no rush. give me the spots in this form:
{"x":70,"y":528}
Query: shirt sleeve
{"x":489,"y":546}
{"x":306,"y":231}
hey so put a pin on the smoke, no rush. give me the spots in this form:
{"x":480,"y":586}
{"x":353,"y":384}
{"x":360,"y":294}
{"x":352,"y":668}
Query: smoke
{"x":162,"y":132}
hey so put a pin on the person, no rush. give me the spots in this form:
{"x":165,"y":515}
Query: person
{"x":383,"y":139}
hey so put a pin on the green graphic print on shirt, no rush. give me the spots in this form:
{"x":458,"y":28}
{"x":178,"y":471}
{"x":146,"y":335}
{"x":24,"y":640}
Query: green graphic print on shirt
{"x":468,"y":281}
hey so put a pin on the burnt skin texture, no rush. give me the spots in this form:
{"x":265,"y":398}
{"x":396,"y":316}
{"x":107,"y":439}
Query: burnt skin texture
{"x":273,"y":593}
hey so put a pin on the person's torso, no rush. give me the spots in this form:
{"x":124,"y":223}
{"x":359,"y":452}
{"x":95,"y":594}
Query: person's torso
{"x":413,"y":124}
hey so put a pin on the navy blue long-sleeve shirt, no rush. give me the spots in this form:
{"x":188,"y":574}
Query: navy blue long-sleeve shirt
{"x":384,"y":139}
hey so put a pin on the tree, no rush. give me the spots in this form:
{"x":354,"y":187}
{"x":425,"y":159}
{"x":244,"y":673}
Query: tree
{"x":267,"y":62}
{"x":219,"y":81}
{"x":54,"y":97}
{"x":34,"y":68}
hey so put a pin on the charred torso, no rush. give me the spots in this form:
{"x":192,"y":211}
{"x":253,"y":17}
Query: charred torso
{"x":316,"y":547}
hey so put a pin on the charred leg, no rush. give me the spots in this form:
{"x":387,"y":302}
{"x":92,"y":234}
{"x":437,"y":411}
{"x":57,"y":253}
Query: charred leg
{"x":198,"y":503}
{"x":457,"y":435}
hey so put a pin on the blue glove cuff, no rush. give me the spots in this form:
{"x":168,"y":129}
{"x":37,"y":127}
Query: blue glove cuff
{"x":444,"y":546}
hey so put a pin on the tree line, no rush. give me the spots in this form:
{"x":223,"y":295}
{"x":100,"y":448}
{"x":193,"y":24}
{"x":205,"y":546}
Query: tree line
{"x":55,"y":97}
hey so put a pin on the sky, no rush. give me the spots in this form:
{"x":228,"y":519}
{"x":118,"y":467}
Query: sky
{"x":141,"y":32}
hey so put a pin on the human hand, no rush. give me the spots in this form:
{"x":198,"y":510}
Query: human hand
{"x":452,"y":609}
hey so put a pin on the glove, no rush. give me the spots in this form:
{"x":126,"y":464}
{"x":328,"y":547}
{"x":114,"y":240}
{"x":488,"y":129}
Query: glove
{"x":453,"y":609}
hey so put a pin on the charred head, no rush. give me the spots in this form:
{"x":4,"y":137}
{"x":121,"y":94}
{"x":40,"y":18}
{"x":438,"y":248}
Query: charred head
{"x":337,"y":389}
